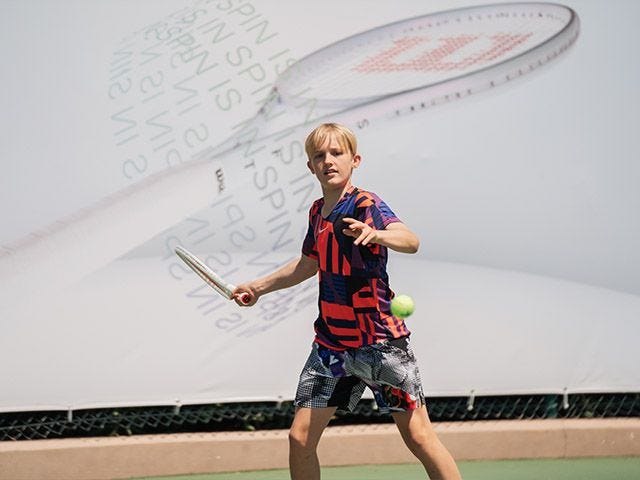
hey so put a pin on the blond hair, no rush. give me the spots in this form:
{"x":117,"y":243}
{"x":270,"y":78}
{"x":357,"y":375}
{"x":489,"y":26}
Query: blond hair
{"x":321,"y":134}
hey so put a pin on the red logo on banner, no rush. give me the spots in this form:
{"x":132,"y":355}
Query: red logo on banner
{"x":435,"y":59}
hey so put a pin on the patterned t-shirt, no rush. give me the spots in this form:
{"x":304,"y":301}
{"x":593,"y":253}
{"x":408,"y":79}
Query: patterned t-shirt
{"x":355,"y":298}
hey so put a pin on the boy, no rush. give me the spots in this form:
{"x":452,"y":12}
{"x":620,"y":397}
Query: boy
{"x":358,"y":341}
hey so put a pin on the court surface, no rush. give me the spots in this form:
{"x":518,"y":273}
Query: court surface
{"x":613,"y":468}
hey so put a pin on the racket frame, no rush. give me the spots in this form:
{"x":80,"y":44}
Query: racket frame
{"x":210,"y":277}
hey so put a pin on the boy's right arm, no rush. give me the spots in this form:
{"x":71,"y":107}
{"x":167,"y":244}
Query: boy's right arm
{"x":291,"y":274}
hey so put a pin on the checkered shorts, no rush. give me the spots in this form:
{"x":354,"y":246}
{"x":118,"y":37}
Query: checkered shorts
{"x":333,"y":378}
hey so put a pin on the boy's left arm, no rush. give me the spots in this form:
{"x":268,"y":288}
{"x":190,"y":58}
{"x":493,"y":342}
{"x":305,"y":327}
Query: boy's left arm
{"x":395,"y":236}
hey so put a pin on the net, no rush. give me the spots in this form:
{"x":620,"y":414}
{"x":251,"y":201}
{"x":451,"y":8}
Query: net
{"x":271,"y":415}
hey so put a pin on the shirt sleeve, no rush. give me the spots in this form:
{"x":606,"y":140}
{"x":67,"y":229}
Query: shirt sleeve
{"x":309,"y":247}
{"x":375,"y":212}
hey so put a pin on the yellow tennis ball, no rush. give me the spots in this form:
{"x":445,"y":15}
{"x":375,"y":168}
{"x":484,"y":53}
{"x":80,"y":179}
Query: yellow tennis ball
{"x":402,"y":306}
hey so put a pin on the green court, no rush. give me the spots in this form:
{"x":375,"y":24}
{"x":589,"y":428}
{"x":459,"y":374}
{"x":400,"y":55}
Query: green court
{"x":614,"y":468}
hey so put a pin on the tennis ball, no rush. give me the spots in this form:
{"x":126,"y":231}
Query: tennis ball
{"x":402,"y":306}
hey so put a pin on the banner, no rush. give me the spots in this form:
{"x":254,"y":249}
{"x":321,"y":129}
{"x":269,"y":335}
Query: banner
{"x":478,"y":125}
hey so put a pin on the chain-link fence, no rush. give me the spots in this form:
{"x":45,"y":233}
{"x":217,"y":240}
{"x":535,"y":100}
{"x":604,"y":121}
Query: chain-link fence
{"x":270,"y":415}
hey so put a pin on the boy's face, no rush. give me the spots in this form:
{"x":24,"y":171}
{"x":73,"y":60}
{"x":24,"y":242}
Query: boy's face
{"x":332,"y":164}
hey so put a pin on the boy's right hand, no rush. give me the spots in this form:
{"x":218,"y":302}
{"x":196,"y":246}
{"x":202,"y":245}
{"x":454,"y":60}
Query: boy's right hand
{"x":245,"y":289}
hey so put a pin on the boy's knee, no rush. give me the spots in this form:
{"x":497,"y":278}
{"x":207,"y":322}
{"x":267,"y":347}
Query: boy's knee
{"x":421,"y":440}
{"x":299,"y":439}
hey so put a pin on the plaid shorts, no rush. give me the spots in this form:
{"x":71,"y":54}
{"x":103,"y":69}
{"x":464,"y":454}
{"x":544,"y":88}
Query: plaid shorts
{"x":333,"y":378}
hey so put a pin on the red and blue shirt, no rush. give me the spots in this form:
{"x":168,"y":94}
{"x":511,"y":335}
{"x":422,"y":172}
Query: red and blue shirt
{"x":355,"y":297}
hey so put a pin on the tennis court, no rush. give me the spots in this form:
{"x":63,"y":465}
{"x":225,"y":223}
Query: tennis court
{"x":614,"y":468}
{"x":157,"y":167}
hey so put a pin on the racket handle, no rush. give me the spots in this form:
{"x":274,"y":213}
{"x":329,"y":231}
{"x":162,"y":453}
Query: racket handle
{"x":245,"y":298}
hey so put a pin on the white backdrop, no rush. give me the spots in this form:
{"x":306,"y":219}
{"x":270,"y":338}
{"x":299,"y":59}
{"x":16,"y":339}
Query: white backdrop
{"x":528,"y":278}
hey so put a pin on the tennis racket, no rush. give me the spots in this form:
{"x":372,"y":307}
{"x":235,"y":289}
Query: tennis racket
{"x":374,"y":76}
{"x":210,"y":277}
{"x":412,"y":65}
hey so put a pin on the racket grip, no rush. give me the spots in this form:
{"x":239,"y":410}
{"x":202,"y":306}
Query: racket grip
{"x":245,"y":298}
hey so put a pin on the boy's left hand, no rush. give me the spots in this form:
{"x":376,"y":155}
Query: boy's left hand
{"x":362,"y":232}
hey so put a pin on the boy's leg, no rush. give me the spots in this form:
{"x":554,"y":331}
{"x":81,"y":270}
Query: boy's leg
{"x":417,"y":432}
{"x":306,"y":429}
